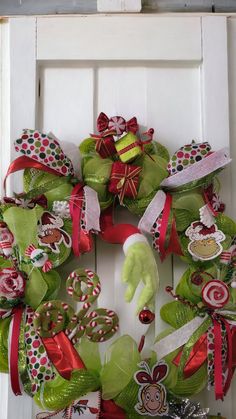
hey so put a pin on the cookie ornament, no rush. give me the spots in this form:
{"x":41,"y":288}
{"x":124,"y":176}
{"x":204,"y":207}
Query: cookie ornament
{"x":205,"y":243}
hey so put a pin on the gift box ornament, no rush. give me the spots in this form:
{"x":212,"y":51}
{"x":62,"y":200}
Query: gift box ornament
{"x":124,"y":180}
{"x":128,"y":147}
{"x":105,"y":144}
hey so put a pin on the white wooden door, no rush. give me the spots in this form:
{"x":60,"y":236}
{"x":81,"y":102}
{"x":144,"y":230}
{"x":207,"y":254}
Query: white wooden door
{"x":171,"y":72}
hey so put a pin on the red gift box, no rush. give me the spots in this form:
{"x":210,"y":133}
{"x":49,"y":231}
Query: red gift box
{"x":105,"y":144}
{"x":124,"y":180}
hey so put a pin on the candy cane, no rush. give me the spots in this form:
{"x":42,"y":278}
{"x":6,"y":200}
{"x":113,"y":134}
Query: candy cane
{"x":97,"y":325}
{"x":53,"y":317}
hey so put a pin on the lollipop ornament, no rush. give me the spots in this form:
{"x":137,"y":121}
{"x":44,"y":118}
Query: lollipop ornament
{"x":215,"y":294}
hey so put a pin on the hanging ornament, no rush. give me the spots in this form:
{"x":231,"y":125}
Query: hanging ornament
{"x":146,"y":316}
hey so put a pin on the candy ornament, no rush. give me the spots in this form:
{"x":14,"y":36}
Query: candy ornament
{"x":215,"y":294}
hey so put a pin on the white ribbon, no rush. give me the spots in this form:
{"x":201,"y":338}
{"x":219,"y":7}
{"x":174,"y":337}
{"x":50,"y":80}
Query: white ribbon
{"x":178,"y":338}
{"x":152,"y":212}
{"x":92,"y":212}
{"x":199,"y":169}
{"x":181,"y":336}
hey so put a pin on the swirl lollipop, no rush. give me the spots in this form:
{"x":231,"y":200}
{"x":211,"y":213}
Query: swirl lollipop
{"x":215,"y":294}
{"x":98,"y":325}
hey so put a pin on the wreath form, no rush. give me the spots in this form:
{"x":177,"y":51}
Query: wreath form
{"x":52,"y":351}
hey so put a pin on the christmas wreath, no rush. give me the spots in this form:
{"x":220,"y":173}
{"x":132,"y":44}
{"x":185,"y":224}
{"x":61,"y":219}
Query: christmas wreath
{"x":49,"y":348}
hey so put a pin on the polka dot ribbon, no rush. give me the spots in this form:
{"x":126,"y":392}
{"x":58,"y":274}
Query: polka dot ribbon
{"x":39,"y":366}
{"x":44,"y":149}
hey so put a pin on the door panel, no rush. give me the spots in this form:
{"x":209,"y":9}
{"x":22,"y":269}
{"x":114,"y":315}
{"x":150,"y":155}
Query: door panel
{"x":157,"y":68}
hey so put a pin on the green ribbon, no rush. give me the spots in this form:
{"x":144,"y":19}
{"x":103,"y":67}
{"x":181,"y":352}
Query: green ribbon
{"x":46,"y":187}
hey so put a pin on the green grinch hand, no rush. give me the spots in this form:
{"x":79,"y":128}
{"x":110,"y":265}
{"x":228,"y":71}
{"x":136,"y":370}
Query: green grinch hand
{"x":140,"y":265}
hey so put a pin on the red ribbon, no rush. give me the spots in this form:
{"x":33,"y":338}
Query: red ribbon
{"x":109,"y":410}
{"x":218,"y":370}
{"x":116,"y":234}
{"x":173,"y":243}
{"x":81,"y":241}
{"x":196,"y":358}
{"x":24,"y":162}
{"x":14,"y":351}
{"x":63,"y":354}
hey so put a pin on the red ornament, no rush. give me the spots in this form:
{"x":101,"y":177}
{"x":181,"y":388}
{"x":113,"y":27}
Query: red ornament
{"x":124,"y":180}
{"x":146,"y":316}
{"x":105,"y":146}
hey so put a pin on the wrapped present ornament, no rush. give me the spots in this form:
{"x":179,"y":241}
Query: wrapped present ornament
{"x":105,"y":144}
{"x":124,"y":180}
{"x":128,"y":147}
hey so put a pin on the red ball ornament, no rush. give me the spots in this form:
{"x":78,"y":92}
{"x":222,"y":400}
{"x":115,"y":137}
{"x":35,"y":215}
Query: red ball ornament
{"x":146,"y":316}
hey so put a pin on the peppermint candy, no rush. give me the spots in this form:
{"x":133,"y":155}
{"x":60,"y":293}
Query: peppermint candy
{"x":118,"y":124}
{"x":215,"y":294}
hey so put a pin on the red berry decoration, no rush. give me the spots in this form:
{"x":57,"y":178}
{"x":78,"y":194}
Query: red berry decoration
{"x":215,"y":294}
{"x":146,"y":316}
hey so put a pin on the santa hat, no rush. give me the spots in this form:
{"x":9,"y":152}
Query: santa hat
{"x":198,"y":231}
{"x":193,"y":162}
{"x":49,"y":220}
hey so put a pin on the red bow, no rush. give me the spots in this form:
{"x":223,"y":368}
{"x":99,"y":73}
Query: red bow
{"x":116,"y":123}
{"x":159,"y":373}
{"x":20,"y":201}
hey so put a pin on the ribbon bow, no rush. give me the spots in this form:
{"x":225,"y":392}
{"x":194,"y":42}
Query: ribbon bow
{"x":197,"y":334}
{"x":117,"y":124}
{"x":23,"y":202}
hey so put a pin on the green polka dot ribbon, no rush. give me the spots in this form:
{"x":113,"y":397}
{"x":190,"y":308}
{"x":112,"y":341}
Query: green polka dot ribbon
{"x":45,"y":150}
{"x":98,"y":325}
{"x":39,"y":367}
{"x":187,"y":155}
